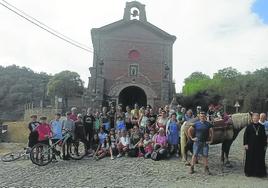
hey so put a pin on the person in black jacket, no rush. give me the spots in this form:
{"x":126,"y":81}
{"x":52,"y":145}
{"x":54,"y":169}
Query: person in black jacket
{"x":88,"y":121}
{"x":33,"y":136}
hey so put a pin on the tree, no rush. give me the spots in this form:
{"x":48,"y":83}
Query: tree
{"x":227,"y":73}
{"x":19,"y":85}
{"x":195,"y":76}
{"x":65,"y":84}
{"x":197,"y":81}
{"x":250,"y":89}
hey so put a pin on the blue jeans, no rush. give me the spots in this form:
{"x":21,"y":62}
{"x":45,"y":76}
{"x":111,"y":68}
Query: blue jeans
{"x":200,"y":148}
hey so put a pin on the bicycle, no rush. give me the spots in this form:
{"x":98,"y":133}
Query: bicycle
{"x":12,"y":156}
{"x":42,"y":154}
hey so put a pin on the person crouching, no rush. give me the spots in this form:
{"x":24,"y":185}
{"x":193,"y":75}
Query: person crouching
{"x":123,"y":145}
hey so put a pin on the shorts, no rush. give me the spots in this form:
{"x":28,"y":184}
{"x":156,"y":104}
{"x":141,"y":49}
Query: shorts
{"x":107,"y":126}
{"x":200,"y":148}
{"x":46,"y":142}
{"x":54,"y":141}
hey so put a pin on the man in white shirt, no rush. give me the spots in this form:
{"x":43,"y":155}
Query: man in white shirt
{"x":264,"y":122}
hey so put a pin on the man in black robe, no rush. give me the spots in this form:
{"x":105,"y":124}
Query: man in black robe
{"x":255,"y":144}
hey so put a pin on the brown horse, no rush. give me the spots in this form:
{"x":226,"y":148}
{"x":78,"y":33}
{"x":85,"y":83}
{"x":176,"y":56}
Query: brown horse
{"x":222,"y":133}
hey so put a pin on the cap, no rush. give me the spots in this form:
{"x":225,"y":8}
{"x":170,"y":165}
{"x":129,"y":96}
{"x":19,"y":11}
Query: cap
{"x":33,"y":116}
{"x":43,"y":118}
{"x":73,"y":108}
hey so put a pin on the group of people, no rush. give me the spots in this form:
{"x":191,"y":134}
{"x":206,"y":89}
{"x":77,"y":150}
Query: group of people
{"x":137,"y":132}
{"x":41,"y":131}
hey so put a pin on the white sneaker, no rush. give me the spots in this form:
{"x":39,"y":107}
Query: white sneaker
{"x":112,"y":157}
{"x":119,"y":155}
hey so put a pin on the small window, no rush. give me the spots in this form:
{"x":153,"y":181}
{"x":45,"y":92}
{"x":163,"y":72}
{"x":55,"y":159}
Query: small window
{"x":134,"y":55}
{"x":133,"y":70}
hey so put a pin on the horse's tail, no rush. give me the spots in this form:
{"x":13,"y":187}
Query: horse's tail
{"x":183,"y":141}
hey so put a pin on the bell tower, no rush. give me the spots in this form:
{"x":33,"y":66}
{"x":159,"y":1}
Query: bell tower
{"x":135,"y":11}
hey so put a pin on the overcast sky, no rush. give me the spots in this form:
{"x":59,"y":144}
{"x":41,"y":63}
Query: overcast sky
{"x":211,"y":34}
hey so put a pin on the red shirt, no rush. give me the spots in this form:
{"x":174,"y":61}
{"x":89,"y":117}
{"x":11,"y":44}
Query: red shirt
{"x":73,"y":117}
{"x":44,"y":131}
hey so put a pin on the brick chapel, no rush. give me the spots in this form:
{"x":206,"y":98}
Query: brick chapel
{"x":132,"y":62}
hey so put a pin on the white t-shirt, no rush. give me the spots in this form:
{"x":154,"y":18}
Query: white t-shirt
{"x":143,"y":121}
{"x":124,"y":141}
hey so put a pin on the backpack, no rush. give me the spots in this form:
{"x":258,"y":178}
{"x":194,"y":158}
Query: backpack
{"x":155,"y":156}
{"x":133,"y":152}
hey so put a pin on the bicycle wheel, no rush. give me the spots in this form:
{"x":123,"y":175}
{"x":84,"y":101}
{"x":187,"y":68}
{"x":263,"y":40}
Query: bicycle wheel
{"x":77,"y":149}
{"x":12,"y":156}
{"x":41,"y":154}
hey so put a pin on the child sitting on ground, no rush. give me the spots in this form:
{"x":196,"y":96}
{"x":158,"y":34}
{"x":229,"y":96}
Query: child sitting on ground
{"x":104,"y":149}
{"x":123,"y":144}
{"x":147,"y":145}
{"x":113,"y":143}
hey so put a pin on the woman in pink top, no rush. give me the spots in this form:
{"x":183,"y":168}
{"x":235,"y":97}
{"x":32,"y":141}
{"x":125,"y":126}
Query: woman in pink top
{"x":44,"y":131}
{"x":160,"y":143}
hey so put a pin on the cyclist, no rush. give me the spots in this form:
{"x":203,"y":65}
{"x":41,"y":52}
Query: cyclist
{"x":33,"y":136}
{"x":56,"y":127}
{"x":44,"y":131}
{"x":67,"y":126}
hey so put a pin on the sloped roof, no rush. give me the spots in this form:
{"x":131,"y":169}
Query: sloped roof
{"x":124,"y":23}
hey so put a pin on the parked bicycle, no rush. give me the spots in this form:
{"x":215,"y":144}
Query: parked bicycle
{"x":42,"y":154}
{"x":12,"y":156}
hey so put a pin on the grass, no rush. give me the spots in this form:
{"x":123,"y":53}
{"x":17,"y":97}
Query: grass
{"x":17,"y":137}
{"x":17,"y":132}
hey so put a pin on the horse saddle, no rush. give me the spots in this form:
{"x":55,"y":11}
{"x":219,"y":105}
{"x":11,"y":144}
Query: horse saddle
{"x":219,"y":124}
{"x":222,"y":131}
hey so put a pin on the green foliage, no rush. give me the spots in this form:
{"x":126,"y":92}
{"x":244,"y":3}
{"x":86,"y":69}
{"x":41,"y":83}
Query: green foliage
{"x":19,"y":85}
{"x":249,"y":89}
{"x":65,"y":84}
{"x":196,"y":76}
{"x":227,"y":73}
{"x":197,"y":81}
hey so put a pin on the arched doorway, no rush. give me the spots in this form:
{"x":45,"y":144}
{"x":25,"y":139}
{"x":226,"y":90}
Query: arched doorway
{"x":131,"y":95}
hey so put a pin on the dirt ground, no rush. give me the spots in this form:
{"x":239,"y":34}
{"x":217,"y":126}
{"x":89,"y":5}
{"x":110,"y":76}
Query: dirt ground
{"x":128,"y":172}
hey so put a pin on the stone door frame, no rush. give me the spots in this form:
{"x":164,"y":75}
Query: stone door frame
{"x":116,"y":90}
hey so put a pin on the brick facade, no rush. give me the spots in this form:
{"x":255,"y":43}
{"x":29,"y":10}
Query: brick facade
{"x":131,"y":52}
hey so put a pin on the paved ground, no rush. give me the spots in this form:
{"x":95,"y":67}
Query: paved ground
{"x":129,"y":172}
